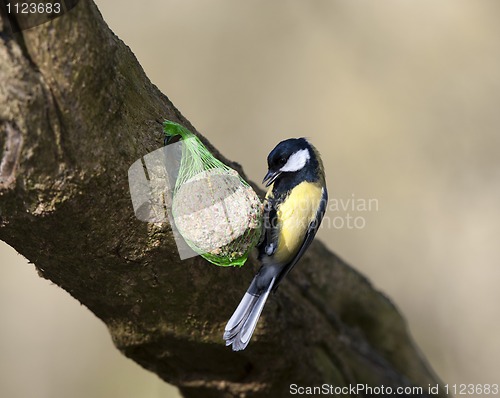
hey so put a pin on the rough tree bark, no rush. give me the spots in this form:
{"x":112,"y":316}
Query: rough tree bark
{"x":76,"y":109}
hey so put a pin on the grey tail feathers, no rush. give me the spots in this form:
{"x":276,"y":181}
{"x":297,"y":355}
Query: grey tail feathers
{"x":240,"y":327}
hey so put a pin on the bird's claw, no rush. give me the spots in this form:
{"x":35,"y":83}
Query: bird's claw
{"x":270,"y":249}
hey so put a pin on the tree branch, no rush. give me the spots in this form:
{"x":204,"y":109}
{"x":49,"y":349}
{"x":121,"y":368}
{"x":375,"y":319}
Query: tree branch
{"x":76,"y":110}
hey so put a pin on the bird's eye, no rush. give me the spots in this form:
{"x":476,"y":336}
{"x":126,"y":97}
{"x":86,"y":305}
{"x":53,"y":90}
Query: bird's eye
{"x":282,"y":160}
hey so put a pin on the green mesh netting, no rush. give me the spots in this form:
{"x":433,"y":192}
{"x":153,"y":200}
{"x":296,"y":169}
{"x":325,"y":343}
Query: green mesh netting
{"x":217,"y":213}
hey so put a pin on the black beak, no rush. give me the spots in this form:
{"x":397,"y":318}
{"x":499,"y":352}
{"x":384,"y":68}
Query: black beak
{"x":271,"y":177}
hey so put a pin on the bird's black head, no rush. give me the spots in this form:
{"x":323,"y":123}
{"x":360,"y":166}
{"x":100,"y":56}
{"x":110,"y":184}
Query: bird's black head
{"x":288,"y":156}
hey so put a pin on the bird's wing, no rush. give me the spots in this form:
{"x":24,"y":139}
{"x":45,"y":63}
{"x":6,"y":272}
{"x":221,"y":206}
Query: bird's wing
{"x":311,"y":232}
{"x":269,"y":240}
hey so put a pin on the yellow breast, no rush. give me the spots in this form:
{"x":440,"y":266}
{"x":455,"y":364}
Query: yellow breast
{"x":294,"y":216}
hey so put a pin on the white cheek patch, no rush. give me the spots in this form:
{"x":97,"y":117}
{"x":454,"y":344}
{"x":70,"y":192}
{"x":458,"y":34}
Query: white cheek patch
{"x":297,"y":160}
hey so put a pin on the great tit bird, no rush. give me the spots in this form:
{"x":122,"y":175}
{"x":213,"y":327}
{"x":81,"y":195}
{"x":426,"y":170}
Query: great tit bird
{"x":293,"y":209}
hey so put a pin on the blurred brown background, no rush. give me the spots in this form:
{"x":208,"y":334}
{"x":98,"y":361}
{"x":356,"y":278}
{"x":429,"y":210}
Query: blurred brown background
{"x":401,"y":98}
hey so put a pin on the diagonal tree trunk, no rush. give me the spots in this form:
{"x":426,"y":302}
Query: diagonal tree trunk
{"x":76,"y":110}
